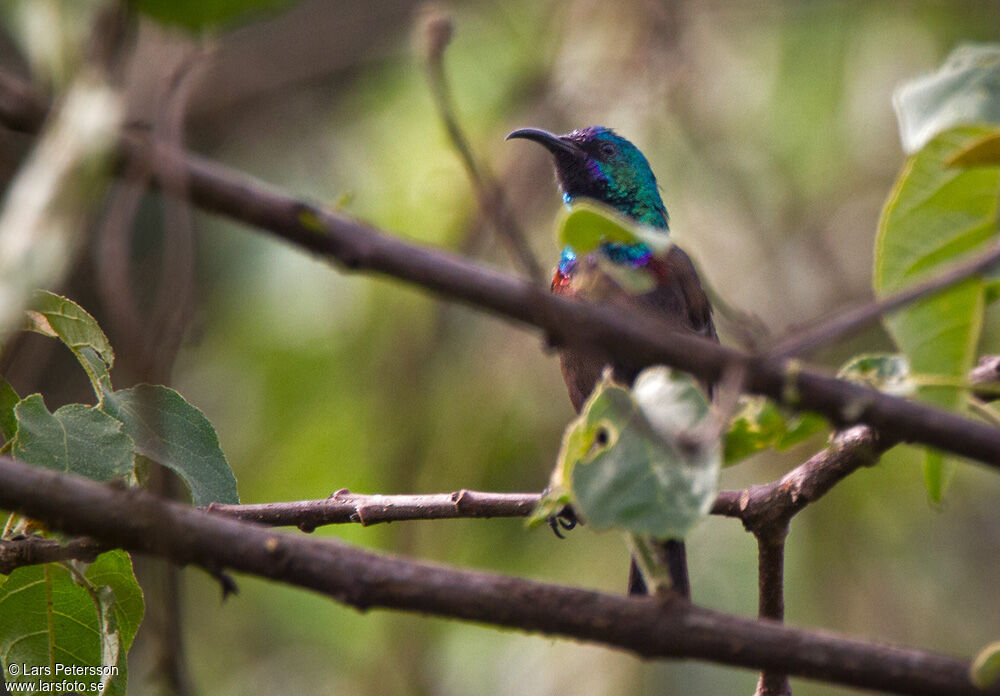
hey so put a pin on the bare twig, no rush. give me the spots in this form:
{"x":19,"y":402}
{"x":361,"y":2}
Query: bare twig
{"x":760,"y":508}
{"x":647,"y":626}
{"x":345,"y":507}
{"x":492,"y":200}
{"x":850,"y":321}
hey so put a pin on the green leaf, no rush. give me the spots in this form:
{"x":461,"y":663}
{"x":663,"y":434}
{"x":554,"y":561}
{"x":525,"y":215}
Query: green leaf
{"x":8,"y":399}
{"x":54,"y":616}
{"x":59,"y":317}
{"x":938,"y":472}
{"x":992,"y":290}
{"x":169,"y":430}
{"x":202,"y":14}
{"x":982,"y":153}
{"x":883,"y":371}
{"x":965,"y":90}
{"x":75,"y":439}
{"x":113,"y":569}
{"x":587,"y":225}
{"x":644,"y":461}
{"x":934,"y":216}
{"x":985,"y":669}
{"x":759,"y":425}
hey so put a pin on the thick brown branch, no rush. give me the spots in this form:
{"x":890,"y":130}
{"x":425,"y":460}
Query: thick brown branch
{"x":629,"y":339}
{"x":650,"y":627}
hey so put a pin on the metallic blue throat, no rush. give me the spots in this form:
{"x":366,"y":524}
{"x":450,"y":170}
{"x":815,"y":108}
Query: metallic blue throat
{"x":630,"y":255}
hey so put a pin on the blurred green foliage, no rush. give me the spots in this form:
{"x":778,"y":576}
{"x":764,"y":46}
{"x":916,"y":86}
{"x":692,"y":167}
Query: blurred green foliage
{"x":771,"y":130}
{"x":207,"y":14}
{"x":772,"y":133}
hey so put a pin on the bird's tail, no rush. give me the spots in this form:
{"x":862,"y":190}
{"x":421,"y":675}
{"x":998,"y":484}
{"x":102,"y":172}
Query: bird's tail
{"x":675,"y":556}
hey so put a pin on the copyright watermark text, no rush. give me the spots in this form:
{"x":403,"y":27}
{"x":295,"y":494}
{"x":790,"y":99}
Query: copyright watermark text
{"x":25,"y":678}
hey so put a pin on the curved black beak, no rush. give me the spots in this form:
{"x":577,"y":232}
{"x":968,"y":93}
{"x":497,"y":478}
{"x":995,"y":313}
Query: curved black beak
{"x":550,"y":141}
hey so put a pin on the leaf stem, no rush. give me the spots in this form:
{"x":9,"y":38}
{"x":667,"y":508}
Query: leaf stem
{"x":654,"y":572}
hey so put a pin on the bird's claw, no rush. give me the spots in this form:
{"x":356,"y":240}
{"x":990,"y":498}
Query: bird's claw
{"x":564,"y":519}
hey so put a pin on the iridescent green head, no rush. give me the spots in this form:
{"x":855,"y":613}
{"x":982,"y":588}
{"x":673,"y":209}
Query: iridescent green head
{"x":598,"y":163}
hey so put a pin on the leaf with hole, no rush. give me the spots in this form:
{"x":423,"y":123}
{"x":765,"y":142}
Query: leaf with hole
{"x":645,"y":461}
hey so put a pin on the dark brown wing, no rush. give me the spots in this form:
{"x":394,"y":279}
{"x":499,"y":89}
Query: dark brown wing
{"x":678,"y":298}
{"x":679,"y":294}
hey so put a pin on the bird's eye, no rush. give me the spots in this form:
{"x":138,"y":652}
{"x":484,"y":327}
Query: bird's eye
{"x":608,"y":149}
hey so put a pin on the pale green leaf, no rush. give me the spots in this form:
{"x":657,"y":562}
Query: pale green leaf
{"x":965,"y":90}
{"x":883,"y":371}
{"x":588,"y":224}
{"x":644,"y":461}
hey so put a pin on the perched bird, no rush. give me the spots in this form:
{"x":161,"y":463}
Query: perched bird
{"x":598,"y":164}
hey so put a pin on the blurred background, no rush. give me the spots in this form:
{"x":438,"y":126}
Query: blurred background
{"x":771,"y":130}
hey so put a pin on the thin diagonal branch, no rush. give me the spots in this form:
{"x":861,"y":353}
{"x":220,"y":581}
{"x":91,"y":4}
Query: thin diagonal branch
{"x":627,"y":338}
{"x":650,"y":627}
{"x":490,"y":194}
{"x":852,"y":320}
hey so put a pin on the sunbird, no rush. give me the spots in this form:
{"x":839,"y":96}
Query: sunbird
{"x":596,"y":163}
